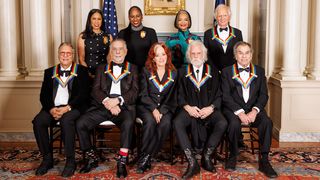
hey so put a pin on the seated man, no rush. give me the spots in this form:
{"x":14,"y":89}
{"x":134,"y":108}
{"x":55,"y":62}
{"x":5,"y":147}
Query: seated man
{"x":199,"y":99}
{"x":63,"y":96}
{"x":114,"y":92}
{"x":245,"y":95}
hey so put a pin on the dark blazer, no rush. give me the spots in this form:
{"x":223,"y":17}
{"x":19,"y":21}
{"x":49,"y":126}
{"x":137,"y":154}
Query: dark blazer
{"x":232,"y":91}
{"x":216,"y":55}
{"x":209,"y":93}
{"x":78,"y":89}
{"x":138,"y":43}
{"x":150,"y":96}
{"x":102,"y":86}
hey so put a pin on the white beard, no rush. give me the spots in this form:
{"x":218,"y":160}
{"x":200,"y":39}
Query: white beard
{"x":197,"y":62}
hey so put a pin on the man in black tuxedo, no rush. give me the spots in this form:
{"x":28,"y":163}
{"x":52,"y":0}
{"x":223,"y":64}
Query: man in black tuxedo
{"x":63,"y":96}
{"x":199,"y":99}
{"x":114,"y":92}
{"x":245,"y":95}
{"x":220,"y":39}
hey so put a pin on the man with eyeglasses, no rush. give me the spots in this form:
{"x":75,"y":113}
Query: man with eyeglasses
{"x":63,"y":98}
{"x":244,"y":96}
{"x":114,"y":93}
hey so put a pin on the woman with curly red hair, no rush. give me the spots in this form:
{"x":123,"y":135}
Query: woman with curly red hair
{"x":157,"y":102}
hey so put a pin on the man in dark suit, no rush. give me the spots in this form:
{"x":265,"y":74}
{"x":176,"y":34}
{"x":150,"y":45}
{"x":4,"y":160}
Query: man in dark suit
{"x":63,"y":96}
{"x":115,"y":90}
{"x":199,"y":99}
{"x":220,"y":39}
{"x":245,"y":95}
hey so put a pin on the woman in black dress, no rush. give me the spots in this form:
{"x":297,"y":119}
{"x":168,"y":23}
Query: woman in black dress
{"x":157,"y":102}
{"x":138,"y":38}
{"x":93,"y":42}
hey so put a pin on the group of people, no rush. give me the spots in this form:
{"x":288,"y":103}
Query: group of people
{"x":204,"y":88}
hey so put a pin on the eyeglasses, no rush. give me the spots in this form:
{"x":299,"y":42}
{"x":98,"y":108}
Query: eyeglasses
{"x":67,"y":54}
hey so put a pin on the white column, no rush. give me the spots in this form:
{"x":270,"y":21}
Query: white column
{"x":272,"y":43}
{"x":40,"y":33}
{"x":316,"y":48}
{"x":57,"y":26}
{"x":8,"y":42}
{"x":240,"y":19}
{"x":291,"y":35}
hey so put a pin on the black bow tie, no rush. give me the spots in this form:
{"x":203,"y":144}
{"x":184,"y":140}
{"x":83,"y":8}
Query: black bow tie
{"x":64,"y":73}
{"x":223,"y":29}
{"x":247,"y":69}
{"x":120,"y":65}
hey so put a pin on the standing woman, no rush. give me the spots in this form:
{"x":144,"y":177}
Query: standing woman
{"x":138,"y":38}
{"x":93,"y":42}
{"x":158,"y":102}
{"x":178,"y":42}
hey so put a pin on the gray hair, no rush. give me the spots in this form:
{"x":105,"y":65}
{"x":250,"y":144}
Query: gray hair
{"x":203,"y":48}
{"x":241,"y":43}
{"x":220,"y":7}
{"x":65,"y":44}
{"x":118,"y":40}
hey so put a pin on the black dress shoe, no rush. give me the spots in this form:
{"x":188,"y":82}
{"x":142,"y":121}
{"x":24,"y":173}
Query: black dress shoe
{"x":89,"y":165}
{"x":44,"y":167}
{"x":266,"y":168}
{"x":193,"y":166}
{"x":144,"y":163}
{"x":68,"y":170}
{"x":206,"y":162}
{"x":231,"y":164}
{"x":121,"y":167}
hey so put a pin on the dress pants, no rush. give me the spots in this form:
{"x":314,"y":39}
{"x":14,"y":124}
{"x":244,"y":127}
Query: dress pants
{"x":154,"y":134}
{"x":262,"y":122}
{"x":42,"y":122}
{"x":216,"y":122}
{"x":91,"y":119}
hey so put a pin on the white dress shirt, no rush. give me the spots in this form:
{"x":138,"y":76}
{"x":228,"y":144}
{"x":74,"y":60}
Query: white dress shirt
{"x":244,"y":75}
{"x":116,"y":87}
{"x":199,"y":74}
{"x":223,"y":35}
{"x":62,"y":96}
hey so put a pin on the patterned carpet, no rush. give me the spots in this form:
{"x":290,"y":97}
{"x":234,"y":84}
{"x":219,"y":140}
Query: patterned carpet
{"x":290,"y":163}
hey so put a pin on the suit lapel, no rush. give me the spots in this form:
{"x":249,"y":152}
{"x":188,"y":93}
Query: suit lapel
{"x":252,"y":88}
{"x":54,"y":89}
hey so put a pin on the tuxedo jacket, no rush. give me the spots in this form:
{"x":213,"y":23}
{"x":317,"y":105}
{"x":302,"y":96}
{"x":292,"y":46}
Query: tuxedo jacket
{"x":129,"y":85}
{"x":156,"y":94}
{"x":78,"y":88}
{"x":216,"y":54}
{"x":206,"y":94}
{"x":232,"y":89}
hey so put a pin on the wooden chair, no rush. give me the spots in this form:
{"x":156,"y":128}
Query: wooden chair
{"x":246,"y":130}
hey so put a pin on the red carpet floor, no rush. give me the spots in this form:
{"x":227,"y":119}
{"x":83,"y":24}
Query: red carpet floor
{"x":290,"y":163}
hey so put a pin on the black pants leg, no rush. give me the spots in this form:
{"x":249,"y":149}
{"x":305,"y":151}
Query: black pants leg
{"x":218,"y":124}
{"x":42,"y":122}
{"x":154,"y":134}
{"x":68,"y":131}
{"x":125,"y":121}
{"x":264,"y":125}
{"x":181,"y":123}
{"x":262,"y":122}
{"x":87,"y":122}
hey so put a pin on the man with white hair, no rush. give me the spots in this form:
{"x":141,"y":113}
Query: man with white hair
{"x":221,"y":38}
{"x":199,"y":100}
